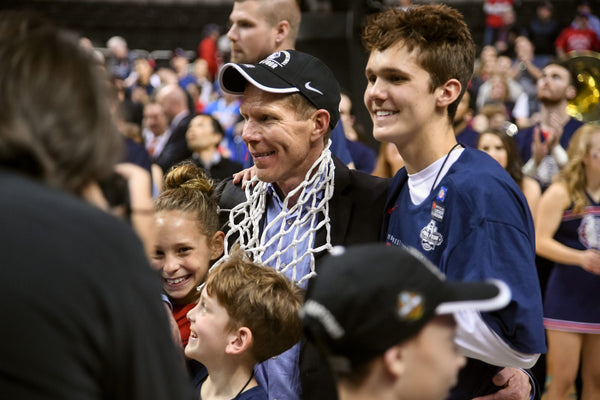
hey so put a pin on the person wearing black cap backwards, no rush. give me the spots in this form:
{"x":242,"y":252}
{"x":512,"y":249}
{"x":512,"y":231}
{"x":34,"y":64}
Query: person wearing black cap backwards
{"x":305,"y":200}
{"x":389,"y":334}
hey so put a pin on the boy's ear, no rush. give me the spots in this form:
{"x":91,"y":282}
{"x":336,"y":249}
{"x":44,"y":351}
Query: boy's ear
{"x":448,"y":92}
{"x":394,"y":361}
{"x":240,"y":341}
{"x":217,"y":245}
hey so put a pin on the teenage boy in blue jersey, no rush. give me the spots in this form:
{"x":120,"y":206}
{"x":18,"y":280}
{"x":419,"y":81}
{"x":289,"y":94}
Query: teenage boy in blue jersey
{"x":457,"y":206}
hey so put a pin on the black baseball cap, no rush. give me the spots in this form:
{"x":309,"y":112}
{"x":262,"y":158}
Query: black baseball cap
{"x":368,"y":298}
{"x":287,"y":71}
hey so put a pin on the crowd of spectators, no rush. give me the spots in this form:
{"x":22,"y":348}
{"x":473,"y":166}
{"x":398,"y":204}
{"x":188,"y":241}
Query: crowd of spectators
{"x":513,"y":53}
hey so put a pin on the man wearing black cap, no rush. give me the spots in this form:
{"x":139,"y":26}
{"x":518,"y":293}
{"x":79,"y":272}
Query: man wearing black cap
{"x":389,"y":334}
{"x":305,"y":200}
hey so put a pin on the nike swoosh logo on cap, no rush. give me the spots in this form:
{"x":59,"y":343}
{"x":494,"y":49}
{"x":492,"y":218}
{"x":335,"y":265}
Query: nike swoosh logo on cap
{"x":307,"y":85}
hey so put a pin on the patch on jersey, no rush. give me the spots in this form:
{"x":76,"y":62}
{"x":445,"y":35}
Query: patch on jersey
{"x":410,"y":306}
{"x":430,"y":237}
{"x":589,"y":232}
{"x":441,"y":196}
{"x":437,"y":212}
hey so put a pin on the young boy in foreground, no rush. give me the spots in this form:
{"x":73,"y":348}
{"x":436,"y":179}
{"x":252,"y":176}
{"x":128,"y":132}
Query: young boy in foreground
{"x":247,"y":313}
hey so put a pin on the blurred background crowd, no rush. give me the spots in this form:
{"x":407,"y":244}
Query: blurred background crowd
{"x":147,"y":44}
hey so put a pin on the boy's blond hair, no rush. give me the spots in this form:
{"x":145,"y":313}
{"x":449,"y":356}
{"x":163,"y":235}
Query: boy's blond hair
{"x":257,"y":297}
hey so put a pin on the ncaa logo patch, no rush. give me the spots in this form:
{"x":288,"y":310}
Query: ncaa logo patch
{"x":430,"y":237}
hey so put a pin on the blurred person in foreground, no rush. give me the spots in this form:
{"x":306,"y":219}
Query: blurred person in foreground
{"x":390,"y":333}
{"x":83,"y":315}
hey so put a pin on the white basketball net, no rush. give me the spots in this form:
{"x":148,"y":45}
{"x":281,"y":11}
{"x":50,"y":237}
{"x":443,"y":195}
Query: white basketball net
{"x":319,"y":179}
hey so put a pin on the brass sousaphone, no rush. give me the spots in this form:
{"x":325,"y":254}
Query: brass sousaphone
{"x":586,"y":68}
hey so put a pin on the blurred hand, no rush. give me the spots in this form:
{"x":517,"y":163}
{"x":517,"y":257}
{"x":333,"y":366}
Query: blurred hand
{"x":515,"y":383}
{"x":555,"y":129}
{"x":539,"y":149}
{"x":591,"y":261}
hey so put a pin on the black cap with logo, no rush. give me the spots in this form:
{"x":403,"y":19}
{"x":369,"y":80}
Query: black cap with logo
{"x":368,"y":298}
{"x":287,"y":71}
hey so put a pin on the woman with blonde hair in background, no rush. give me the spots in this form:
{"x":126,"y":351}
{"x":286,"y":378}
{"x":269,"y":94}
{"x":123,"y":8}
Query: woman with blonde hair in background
{"x":568,"y":233}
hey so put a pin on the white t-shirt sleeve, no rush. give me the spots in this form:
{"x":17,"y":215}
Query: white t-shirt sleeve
{"x":476,"y":340}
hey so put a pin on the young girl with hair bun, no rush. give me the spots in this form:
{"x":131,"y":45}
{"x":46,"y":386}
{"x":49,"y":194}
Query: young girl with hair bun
{"x":187,"y":239}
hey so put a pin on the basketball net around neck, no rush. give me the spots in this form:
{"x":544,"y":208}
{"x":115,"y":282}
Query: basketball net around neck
{"x":245,"y":219}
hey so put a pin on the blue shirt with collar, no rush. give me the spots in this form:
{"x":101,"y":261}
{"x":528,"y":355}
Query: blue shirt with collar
{"x":280,"y":375}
